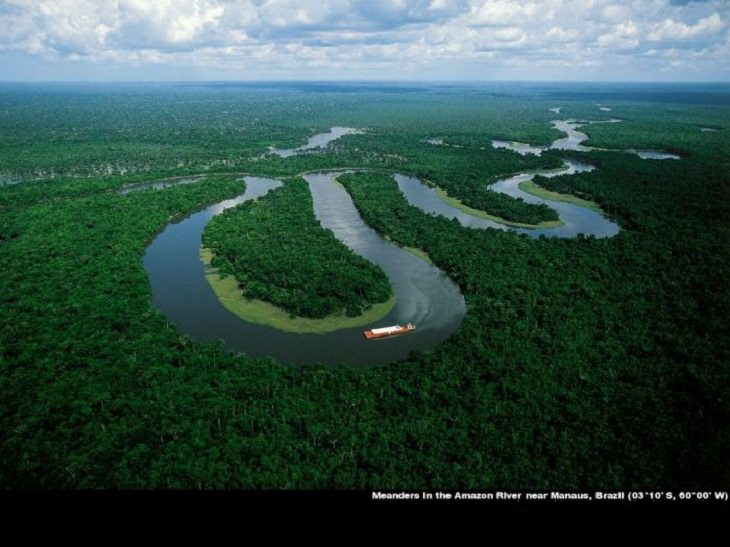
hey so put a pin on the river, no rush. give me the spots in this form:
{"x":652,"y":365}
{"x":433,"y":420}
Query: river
{"x":320,"y":140}
{"x":424,"y":294}
{"x":576,"y":219}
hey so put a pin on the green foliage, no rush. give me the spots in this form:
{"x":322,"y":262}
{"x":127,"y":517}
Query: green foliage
{"x":465,"y":173}
{"x":619,"y":324}
{"x":580,"y":364}
{"x":278,"y":252}
{"x":141,"y":133}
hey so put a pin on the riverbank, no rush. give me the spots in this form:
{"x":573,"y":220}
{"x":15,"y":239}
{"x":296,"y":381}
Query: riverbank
{"x":531,"y":188}
{"x":419,"y":253}
{"x":263,"y":313}
{"x":457,"y":204}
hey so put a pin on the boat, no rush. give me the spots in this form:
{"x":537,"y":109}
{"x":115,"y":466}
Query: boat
{"x":384,"y":332}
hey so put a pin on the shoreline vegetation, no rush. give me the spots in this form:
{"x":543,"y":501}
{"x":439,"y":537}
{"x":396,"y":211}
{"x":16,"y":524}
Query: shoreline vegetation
{"x":418,"y":252}
{"x":454,"y":202}
{"x":257,"y":311}
{"x":291,"y":271}
{"x":538,"y":191}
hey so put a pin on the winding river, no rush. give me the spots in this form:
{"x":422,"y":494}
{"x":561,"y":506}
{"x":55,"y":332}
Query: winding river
{"x":319,"y":140}
{"x":576,"y":219}
{"x":573,"y":141}
{"x":424,"y":294}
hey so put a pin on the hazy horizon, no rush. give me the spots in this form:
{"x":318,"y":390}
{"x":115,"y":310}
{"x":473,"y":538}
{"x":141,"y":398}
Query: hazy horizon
{"x":371,"y":81}
{"x":652,"y":41}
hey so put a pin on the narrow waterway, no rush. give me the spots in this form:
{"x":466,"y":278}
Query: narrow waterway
{"x":574,"y":140}
{"x":320,"y":140}
{"x":161,"y":184}
{"x":576,"y":219}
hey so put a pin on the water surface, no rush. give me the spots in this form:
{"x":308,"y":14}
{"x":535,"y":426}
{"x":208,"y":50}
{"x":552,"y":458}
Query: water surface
{"x":320,"y":140}
{"x":655,"y":155}
{"x":576,"y":219}
{"x":521,"y":148}
{"x":161,"y":184}
{"x":425,"y":296}
{"x":573,"y":141}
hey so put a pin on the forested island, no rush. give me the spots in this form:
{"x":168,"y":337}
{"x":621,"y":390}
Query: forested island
{"x":278,"y":253}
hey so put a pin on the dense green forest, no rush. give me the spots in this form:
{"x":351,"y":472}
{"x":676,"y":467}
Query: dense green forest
{"x":279,"y":253}
{"x":584,"y":363}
